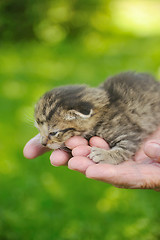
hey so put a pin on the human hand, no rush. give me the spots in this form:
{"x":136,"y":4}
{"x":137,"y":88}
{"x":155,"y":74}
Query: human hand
{"x":142,"y":172}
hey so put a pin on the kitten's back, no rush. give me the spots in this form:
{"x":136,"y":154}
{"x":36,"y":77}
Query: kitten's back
{"x":129,"y":86}
{"x":138,"y":95}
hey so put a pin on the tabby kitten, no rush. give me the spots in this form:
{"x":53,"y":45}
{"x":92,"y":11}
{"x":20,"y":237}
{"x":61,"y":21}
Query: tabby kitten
{"x":124,"y":110}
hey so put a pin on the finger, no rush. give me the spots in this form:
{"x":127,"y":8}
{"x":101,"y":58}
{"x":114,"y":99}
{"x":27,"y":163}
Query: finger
{"x":126,"y":175}
{"x":75,"y":141}
{"x":111,"y":174}
{"x":34,"y":148}
{"x":152,"y":149}
{"x":102,"y":172}
{"x":120,"y":177}
{"x":98,"y":142}
{"x":79,"y":164}
{"x":59,"y":157}
{"x":82,"y":150}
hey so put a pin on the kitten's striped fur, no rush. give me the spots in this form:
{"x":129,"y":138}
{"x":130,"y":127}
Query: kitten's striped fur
{"x":124,"y":110}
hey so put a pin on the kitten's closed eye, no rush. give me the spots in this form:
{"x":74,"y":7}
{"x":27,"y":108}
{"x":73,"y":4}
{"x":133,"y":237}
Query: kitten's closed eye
{"x":53,"y":133}
{"x":56,"y":133}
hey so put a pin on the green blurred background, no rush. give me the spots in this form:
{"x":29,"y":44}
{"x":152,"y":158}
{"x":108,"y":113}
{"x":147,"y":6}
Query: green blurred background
{"x":48,"y":43}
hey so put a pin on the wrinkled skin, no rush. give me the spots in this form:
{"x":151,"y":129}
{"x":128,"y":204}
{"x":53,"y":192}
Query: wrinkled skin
{"x":143,"y":172}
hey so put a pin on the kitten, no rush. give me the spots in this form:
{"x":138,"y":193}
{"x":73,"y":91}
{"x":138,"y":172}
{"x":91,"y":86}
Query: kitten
{"x":124,"y":111}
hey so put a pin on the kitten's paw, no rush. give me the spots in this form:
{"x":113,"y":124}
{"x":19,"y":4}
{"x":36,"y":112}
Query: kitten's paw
{"x":97,"y":154}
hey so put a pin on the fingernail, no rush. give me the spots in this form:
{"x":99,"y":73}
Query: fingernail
{"x":52,"y":161}
{"x":53,"y":164}
{"x":153,"y":149}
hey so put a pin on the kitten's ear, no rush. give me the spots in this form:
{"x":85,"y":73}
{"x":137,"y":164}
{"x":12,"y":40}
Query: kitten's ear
{"x":73,"y":114}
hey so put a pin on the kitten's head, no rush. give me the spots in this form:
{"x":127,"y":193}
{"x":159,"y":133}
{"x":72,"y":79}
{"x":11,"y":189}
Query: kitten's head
{"x":67,"y":111}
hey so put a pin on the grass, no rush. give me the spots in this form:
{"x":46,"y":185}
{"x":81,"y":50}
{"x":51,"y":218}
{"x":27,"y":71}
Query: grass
{"x":39,"y":201}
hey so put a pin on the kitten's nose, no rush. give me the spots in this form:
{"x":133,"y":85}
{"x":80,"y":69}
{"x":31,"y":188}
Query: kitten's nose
{"x":44,"y":144}
{"x":44,"y":141}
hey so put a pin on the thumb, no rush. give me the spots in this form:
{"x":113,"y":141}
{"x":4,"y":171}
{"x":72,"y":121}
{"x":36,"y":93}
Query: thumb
{"x":33,"y":148}
{"x":152,"y":149}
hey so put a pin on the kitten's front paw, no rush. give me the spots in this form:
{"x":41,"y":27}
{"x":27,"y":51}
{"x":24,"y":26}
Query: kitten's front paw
{"x":97,"y":154}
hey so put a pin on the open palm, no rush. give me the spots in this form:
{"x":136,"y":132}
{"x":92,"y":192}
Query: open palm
{"x":142,"y":172}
